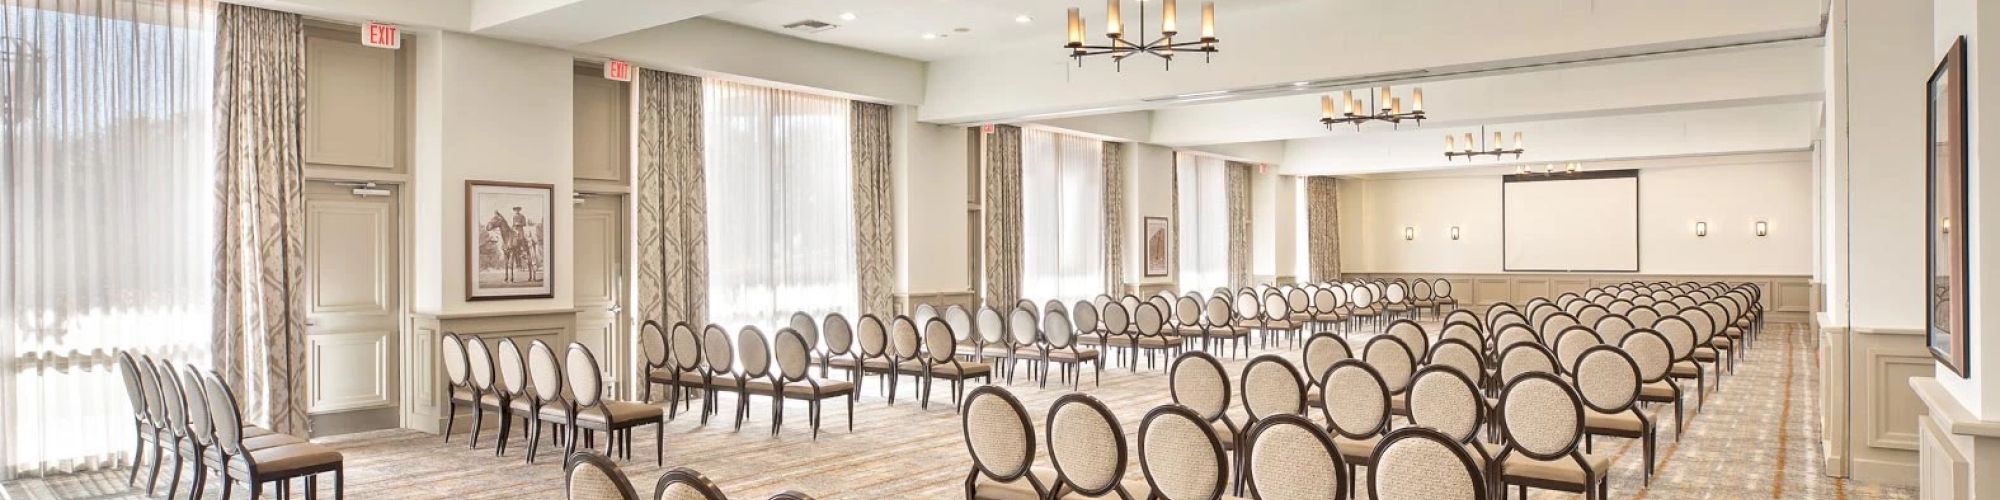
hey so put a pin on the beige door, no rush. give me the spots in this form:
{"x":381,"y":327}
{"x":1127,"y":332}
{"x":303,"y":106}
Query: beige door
{"x":353,"y":305}
{"x":600,"y":285}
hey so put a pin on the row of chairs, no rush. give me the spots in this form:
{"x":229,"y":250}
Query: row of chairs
{"x":590,"y":476}
{"x":193,"y":416}
{"x":1182,"y":457}
{"x":537,"y":389}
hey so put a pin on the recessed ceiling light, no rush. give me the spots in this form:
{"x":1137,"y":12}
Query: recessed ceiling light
{"x":1023,"y":19}
{"x":847,"y":16}
{"x":930,"y":36}
{"x":1301,"y":84}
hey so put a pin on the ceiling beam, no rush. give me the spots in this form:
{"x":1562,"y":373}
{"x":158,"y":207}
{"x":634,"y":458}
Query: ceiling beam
{"x":566,"y":23}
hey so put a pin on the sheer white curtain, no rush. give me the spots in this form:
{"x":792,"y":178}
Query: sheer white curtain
{"x":1204,"y":231}
{"x":1062,"y":216}
{"x":106,"y":216}
{"x":780,"y":207}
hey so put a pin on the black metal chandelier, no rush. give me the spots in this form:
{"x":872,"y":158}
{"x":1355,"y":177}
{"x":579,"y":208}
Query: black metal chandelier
{"x":1388,"y":108}
{"x":1474,"y":150}
{"x":1121,"y":47}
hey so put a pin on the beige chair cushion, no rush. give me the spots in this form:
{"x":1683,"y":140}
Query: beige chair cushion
{"x":962,"y":369}
{"x":1357,"y":451}
{"x":803,"y":390}
{"x":1561,"y":470}
{"x":250,"y":431}
{"x":269,"y":441}
{"x":1618,"y":422}
{"x":622,"y":412}
{"x":1078,"y":355}
{"x":1685,"y":368}
{"x":288,"y":458}
{"x":1656,"y":390}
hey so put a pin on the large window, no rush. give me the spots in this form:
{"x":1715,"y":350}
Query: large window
{"x":780,"y":204}
{"x":1062,"y":216}
{"x":1204,"y":225}
{"x":107,"y":217}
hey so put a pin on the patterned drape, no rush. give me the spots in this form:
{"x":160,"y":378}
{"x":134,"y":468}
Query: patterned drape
{"x":1238,"y":185}
{"x":1114,"y":218}
{"x":874,"y":209}
{"x":672,"y":200}
{"x":1002,"y":251}
{"x":1323,"y":227}
{"x":260,"y":320}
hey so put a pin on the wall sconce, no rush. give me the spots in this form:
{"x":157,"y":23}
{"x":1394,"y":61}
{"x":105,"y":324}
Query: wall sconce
{"x":1454,"y":233}
{"x":1763,"y":228}
{"x":1700,"y":228}
{"x":1409,"y":232}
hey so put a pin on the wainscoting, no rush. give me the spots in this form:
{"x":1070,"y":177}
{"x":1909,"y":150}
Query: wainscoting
{"x":1954,"y":444}
{"x":1870,"y":415}
{"x":907,"y":302}
{"x":424,"y":394}
{"x":1786,"y":298}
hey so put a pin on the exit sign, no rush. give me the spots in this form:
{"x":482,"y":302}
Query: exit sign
{"x":618,"y":70}
{"x":385,"y":36}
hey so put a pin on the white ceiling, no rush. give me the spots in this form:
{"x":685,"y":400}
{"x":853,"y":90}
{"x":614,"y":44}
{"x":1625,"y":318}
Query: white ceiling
{"x":897,"y":27}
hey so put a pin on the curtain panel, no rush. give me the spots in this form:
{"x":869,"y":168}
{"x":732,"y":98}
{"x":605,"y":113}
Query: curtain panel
{"x":671,"y":200}
{"x":1238,"y":187}
{"x":1323,"y":228}
{"x":260,"y":214}
{"x":874,"y":209}
{"x":1114,"y":218}
{"x":107,"y":235}
{"x":1062,"y":216}
{"x":1002,"y":212}
{"x":1201,"y":207}
{"x":781,"y":233}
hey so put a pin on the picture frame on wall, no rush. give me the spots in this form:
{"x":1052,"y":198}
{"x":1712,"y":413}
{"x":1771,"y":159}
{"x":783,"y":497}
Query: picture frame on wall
{"x":1156,"y":239}
{"x":509,"y":247}
{"x":1946,"y":287}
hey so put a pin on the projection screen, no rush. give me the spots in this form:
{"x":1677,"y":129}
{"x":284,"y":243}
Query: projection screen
{"x":1582,"y":222}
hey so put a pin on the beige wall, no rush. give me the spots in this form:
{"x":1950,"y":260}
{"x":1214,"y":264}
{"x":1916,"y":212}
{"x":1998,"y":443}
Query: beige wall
{"x":1730,"y":192}
{"x":933,"y":201}
{"x":486,"y":110}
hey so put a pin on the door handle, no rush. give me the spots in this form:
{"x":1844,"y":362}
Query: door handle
{"x":312,"y":321}
{"x":615,"y":308}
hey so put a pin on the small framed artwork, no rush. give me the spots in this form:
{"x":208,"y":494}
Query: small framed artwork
{"x":1156,"y":246}
{"x":1946,"y":244}
{"x":508,"y":247}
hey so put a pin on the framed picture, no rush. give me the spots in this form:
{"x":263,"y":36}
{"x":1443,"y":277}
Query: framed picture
{"x":1945,"y":239}
{"x":508,"y":240}
{"x":1156,"y":246}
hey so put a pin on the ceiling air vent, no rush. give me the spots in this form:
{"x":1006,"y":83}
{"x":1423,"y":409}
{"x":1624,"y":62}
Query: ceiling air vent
{"x":810,"y":26}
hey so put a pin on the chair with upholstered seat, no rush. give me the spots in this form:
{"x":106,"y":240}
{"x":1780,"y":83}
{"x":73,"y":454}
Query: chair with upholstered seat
{"x":1570,"y":344}
{"x":1322,"y":349}
{"x":754,"y":350}
{"x":837,"y":337}
{"x":1612,"y":328}
{"x":1196,"y":380}
{"x":1219,"y":326}
{"x":1653,"y":356}
{"x":718,"y":359}
{"x":1024,"y":339}
{"x":1187,"y":320}
{"x":1271,"y":386}
{"x":546,"y":395}
{"x":1681,"y":337}
{"x":684,"y":483}
{"x":1287,"y":457}
{"x":1449,"y":401}
{"x":1396,"y":300}
{"x":1087,"y":447}
{"x":1458,"y":355}
{"x":1541,"y":420}
{"x":1181,"y":455}
{"x":590,"y":476}
{"x":940,"y":363}
{"x":1356,"y":407}
{"x":590,"y":411}
{"x":1442,"y":287}
{"x":1059,"y":348}
{"x":1149,"y":324}
{"x":484,"y":385}
{"x":143,"y":398}
{"x":683,"y":373}
{"x":1523,"y":359}
{"x":1418,"y":463}
{"x":1395,"y":362}
{"x":1001,"y":441}
{"x":1412,"y":334}
{"x":794,"y":380}
{"x":871,"y":352}
{"x":255,"y":466}
{"x":655,"y":350}
{"x":458,"y":379}
{"x":906,"y":356}
{"x":1463,"y":331}
{"x":1329,"y":308}
{"x":1607,"y":381}
{"x":513,"y":392}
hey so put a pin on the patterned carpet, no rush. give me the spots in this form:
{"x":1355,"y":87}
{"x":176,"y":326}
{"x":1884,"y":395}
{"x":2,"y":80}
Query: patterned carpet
{"x":1757,"y":438}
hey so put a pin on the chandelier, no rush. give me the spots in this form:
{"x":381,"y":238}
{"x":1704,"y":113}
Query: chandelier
{"x":1474,"y":150}
{"x":1550,"y":169}
{"x":1121,"y":47}
{"x":1388,"y":108}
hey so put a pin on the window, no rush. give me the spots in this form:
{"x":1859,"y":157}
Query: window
{"x":780,"y":210}
{"x":1062,"y":216}
{"x":1204,"y":214}
{"x":107,"y":218}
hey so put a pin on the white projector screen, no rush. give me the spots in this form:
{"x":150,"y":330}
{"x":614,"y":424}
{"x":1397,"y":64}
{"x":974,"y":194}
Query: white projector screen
{"x":1586,"y":222}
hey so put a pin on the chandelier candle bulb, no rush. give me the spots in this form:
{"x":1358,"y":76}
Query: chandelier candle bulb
{"x":1347,"y":102}
{"x":1448,"y":146}
{"x":1396,"y":105}
{"x":1169,"y":18}
{"x":1417,"y":99}
{"x":1385,"y":99}
{"x":1468,"y":142}
{"x":1208,"y":21}
{"x":1075,"y":28}
{"x":1113,"y":27}
{"x":1326,"y":106}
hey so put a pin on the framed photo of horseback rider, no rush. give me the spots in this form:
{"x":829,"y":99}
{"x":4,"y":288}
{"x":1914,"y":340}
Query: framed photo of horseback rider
{"x":508,"y":240}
